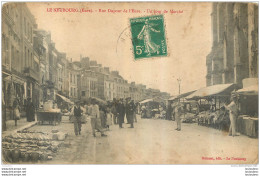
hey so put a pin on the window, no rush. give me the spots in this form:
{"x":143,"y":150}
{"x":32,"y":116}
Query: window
{"x":32,"y":60}
{"x":6,"y":50}
{"x":17,"y":60}
{"x":71,"y":91}
{"x":12,"y":54}
{"x":83,"y":93}
{"x":25,"y":57}
{"x":28,"y":58}
{"x":24,"y":25}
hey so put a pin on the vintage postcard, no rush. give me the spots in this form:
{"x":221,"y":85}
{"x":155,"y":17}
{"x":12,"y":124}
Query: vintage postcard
{"x":129,"y":83}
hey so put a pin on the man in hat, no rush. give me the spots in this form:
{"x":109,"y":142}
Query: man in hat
{"x":130,"y":107}
{"x":121,"y":112}
{"x":30,"y":110}
{"x":77,"y":118}
{"x":178,"y":111}
{"x":127,"y":109}
{"x":114,"y":111}
{"x":233,"y":113}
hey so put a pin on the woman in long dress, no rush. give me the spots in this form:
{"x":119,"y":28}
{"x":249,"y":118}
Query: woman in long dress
{"x":109,"y":117}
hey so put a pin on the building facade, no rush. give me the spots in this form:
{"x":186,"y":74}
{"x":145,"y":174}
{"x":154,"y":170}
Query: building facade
{"x":234,"y":54}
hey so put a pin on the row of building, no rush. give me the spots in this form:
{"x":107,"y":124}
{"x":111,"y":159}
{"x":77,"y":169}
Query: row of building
{"x":33,"y":67}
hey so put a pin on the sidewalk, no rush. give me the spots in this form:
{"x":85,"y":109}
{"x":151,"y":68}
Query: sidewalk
{"x":21,"y":124}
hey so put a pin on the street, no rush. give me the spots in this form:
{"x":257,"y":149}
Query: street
{"x":153,"y":142}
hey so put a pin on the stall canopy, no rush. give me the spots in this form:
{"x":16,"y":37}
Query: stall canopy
{"x":65,"y":99}
{"x":251,"y":90}
{"x":99,"y":100}
{"x":215,"y":90}
{"x":146,"y":101}
{"x":181,"y":95}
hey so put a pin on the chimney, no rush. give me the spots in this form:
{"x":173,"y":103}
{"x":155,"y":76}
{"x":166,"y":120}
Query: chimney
{"x":85,"y":62}
{"x":106,"y":69}
{"x":93,"y":63}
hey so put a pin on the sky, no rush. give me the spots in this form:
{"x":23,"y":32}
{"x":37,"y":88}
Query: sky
{"x":106,"y":38}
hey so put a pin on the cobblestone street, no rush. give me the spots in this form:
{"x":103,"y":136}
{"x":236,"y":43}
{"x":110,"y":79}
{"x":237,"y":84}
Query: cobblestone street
{"x":153,"y":142}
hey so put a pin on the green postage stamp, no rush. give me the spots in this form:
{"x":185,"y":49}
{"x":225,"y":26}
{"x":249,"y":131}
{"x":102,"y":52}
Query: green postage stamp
{"x":148,"y":37}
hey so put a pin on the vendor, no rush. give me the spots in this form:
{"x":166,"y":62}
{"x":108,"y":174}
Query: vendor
{"x":233,"y":113}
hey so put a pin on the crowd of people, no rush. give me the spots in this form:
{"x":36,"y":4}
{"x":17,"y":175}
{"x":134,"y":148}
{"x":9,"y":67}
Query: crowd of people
{"x":103,"y":115}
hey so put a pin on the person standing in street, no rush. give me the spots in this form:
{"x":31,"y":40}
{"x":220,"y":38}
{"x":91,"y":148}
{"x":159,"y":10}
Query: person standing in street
{"x":95,"y":119}
{"x":233,"y":113}
{"x":109,"y":117}
{"x":102,"y":115}
{"x":178,"y":112}
{"x":126,"y":110}
{"x":130,"y":112}
{"x":114,"y":111}
{"x":121,"y":113}
{"x":77,"y":118}
{"x":30,"y":111}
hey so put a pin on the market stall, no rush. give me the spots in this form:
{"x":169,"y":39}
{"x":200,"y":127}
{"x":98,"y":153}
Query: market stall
{"x":49,"y":114}
{"x":171,"y":105}
{"x":247,"y":122}
{"x":63,"y":103}
{"x":148,"y":108}
{"x":211,"y":101}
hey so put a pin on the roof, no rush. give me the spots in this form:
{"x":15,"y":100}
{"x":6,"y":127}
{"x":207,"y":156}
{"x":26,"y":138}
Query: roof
{"x":251,"y":90}
{"x":215,"y":90}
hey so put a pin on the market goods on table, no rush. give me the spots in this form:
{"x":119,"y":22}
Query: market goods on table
{"x":26,"y":146}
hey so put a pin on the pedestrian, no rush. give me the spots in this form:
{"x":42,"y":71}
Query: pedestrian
{"x":233,"y":113}
{"x":95,"y":119}
{"x":114,"y":111}
{"x":121,"y":113}
{"x":173,"y":111}
{"x":109,"y":117}
{"x":130,"y":112}
{"x":102,"y":114}
{"x":77,"y":113}
{"x":169,"y":112}
{"x":16,"y":113}
{"x":30,"y":111}
{"x":178,"y":112}
{"x":135,"y":112}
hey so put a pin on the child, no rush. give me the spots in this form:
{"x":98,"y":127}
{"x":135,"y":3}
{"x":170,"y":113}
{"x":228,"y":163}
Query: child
{"x":109,"y":116}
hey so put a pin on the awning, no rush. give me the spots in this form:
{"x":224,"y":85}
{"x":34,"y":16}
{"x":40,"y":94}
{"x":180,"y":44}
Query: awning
{"x":99,"y":100}
{"x":146,"y":101}
{"x":173,"y":97}
{"x":181,"y":95}
{"x":215,"y":90}
{"x":251,"y":90}
{"x":65,"y":99}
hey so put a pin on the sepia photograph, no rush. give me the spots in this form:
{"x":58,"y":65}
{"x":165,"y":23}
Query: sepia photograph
{"x":129,"y":83}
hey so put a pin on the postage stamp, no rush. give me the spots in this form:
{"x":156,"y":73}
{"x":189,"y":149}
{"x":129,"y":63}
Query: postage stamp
{"x":148,"y":37}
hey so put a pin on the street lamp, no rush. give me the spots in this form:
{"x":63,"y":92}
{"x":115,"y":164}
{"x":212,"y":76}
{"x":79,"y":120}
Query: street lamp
{"x":179,"y":82}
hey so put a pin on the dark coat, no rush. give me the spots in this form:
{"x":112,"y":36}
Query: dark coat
{"x":130,"y":108}
{"x":30,"y":111}
{"x":121,"y":109}
{"x":77,"y":111}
